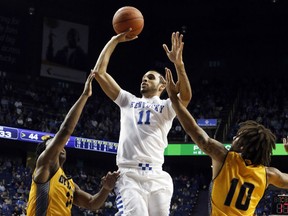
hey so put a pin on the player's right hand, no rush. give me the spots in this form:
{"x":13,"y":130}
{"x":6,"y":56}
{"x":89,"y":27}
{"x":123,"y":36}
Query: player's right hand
{"x":122,"y":37}
{"x":108,"y":182}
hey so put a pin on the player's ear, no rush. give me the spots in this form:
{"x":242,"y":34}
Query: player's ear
{"x":162,"y":87}
{"x":163,"y":83}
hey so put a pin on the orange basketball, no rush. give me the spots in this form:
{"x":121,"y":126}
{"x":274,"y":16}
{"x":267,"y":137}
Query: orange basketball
{"x":128,"y":17}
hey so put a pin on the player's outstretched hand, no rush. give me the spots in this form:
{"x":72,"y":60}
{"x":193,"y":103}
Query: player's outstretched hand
{"x":122,"y":37}
{"x":88,"y":85}
{"x":108,"y":181}
{"x":177,"y":44}
{"x":171,"y":87}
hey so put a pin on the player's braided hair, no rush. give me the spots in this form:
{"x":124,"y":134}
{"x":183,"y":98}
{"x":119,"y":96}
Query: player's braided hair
{"x":257,"y":142}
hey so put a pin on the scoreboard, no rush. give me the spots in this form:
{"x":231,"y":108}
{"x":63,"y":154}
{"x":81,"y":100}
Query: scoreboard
{"x":173,"y":149}
{"x":280,"y":204}
{"x":73,"y":142}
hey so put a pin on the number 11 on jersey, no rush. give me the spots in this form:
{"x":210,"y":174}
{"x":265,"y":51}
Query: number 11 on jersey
{"x":144,"y":116}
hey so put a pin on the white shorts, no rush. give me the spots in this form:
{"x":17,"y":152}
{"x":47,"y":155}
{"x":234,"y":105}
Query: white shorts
{"x":143,"y":192}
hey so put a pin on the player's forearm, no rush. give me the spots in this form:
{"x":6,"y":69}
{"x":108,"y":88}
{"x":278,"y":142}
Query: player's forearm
{"x":104,"y":57}
{"x":277,"y":178}
{"x":99,"y":199}
{"x":184,"y":83}
{"x":73,"y":115}
{"x":197,"y":134}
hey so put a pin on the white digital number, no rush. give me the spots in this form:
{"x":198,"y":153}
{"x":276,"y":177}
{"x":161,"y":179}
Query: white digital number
{"x":33,"y":136}
{"x":5,"y":134}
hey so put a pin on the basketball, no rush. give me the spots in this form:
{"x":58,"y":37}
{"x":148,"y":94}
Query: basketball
{"x":128,"y":17}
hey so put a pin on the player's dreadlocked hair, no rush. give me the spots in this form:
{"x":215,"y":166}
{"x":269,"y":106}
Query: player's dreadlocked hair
{"x":41,"y":147}
{"x":257,"y":142}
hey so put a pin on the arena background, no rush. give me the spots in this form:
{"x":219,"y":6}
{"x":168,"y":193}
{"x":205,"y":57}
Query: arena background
{"x":225,"y":41}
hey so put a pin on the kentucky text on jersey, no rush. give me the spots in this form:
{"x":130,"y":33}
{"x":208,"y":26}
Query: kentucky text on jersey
{"x":141,"y":105}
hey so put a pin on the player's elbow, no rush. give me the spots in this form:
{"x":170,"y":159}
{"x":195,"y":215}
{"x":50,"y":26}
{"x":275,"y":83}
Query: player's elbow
{"x":185,"y":102}
{"x":98,"y":73}
{"x":188,"y":96}
{"x":100,"y":76}
{"x":185,"y":99}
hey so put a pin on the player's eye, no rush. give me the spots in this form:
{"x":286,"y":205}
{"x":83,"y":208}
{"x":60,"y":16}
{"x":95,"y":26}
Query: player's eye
{"x":151,"y":77}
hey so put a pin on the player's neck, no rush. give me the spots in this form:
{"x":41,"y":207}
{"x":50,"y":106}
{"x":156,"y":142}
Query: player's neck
{"x":149,"y":96}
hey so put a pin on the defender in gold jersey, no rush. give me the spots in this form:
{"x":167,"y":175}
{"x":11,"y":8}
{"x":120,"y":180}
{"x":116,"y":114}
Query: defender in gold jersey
{"x":241,"y":175}
{"x":52,"y":192}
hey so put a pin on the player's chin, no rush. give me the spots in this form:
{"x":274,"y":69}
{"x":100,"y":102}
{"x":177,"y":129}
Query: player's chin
{"x":143,"y":90}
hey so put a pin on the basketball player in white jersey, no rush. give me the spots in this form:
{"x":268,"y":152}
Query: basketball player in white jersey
{"x":143,"y":188}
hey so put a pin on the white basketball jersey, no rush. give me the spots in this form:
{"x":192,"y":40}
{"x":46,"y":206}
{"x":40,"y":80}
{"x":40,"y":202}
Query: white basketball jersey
{"x":145,"y":124}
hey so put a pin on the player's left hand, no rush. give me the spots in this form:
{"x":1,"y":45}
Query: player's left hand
{"x":175,"y":54}
{"x":171,"y":88}
{"x":88,"y":85}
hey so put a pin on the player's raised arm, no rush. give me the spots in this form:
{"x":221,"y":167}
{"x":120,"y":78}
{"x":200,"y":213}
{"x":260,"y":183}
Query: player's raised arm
{"x":175,"y":55}
{"x":48,"y":160}
{"x":107,"y":83}
{"x":211,"y":147}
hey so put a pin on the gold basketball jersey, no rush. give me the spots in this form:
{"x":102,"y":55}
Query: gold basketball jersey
{"x":53,"y":198}
{"x":238,"y":187}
